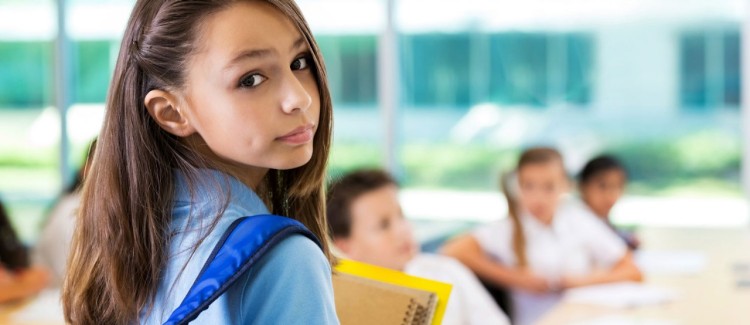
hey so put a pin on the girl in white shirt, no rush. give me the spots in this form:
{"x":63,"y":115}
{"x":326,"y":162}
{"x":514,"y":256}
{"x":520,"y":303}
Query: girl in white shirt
{"x":546,"y":245}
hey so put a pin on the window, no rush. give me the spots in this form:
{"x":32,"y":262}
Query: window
{"x":710,"y":69}
{"x":463,"y":69}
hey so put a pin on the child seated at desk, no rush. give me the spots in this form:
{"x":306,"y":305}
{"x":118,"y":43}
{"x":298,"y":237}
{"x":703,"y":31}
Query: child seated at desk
{"x":17,"y":279}
{"x":368,"y":225}
{"x":601,"y":184}
{"x":543,"y":247}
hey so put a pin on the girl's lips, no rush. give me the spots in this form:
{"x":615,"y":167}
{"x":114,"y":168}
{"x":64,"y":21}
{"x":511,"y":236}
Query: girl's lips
{"x":300,"y":135}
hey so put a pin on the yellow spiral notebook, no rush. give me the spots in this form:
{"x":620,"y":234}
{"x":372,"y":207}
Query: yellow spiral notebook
{"x":367,"y":294}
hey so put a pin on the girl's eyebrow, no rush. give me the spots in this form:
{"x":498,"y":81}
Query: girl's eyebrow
{"x":297,"y":44}
{"x":251,"y":54}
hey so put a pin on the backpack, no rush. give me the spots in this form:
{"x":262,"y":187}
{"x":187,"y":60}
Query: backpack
{"x":243,"y":244}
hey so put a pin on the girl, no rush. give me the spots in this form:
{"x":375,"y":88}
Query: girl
{"x":543,"y":247}
{"x":218,"y":109}
{"x":601,"y":184}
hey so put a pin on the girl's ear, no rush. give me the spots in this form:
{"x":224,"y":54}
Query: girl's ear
{"x":164,"y":108}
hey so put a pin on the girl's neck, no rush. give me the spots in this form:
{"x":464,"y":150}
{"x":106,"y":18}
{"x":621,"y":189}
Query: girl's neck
{"x":547,"y":221}
{"x":604,"y":217}
{"x":249,"y":175}
{"x":544,"y":220}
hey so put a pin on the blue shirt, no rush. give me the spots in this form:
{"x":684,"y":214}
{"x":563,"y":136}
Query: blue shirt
{"x":291,"y":284}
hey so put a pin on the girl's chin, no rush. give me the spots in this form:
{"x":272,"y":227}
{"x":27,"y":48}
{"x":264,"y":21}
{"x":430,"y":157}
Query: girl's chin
{"x":543,"y":217}
{"x":293,"y":161}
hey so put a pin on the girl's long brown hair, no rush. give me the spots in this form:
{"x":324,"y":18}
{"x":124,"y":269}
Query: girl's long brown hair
{"x":120,"y":244}
{"x":529,"y":157}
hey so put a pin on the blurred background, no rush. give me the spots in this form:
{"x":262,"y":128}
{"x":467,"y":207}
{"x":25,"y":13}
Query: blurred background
{"x":445,"y":94}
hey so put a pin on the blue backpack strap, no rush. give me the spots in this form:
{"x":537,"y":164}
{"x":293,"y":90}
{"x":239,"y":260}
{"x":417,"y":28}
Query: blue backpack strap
{"x":244,"y":243}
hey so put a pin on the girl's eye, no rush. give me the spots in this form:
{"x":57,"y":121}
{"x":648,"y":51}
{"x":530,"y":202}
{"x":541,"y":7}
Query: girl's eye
{"x":251,"y":81}
{"x":300,"y":63}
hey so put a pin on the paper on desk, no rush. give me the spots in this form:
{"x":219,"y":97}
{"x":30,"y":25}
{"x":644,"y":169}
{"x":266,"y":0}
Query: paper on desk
{"x":670,"y":262}
{"x":46,"y":308}
{"x":623,"y":320}
{"x":620,"y":295}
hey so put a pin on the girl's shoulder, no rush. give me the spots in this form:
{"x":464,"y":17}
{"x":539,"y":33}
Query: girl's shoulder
{"x":295,"y":265}
{"x":291,"y":282}
{"x":299,"y":251}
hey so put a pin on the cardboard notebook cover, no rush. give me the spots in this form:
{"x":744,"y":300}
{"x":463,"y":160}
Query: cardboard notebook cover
{"x":367,"y":294}
{"x":364,"y":301}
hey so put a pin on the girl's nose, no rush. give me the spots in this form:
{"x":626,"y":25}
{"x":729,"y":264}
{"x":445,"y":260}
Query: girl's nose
{"x":294,"y":95}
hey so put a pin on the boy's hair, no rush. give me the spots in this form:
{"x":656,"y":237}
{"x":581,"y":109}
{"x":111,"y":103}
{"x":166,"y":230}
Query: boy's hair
{"x":344,"y":191}
{"x":599,"y":165}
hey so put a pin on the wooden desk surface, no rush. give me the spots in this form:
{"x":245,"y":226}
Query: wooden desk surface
{"x":43,"y":309}
{"x":709,"y":297}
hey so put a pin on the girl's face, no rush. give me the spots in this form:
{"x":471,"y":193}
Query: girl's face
{"x":541,"y":187}
{"x":251,"y":93}
{"x":603,"y":190}
{"x":380,"y":234}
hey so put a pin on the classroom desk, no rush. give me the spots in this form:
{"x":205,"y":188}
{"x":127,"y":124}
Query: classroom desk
{"x":43,"y":309}
{"x":711,"y":296}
